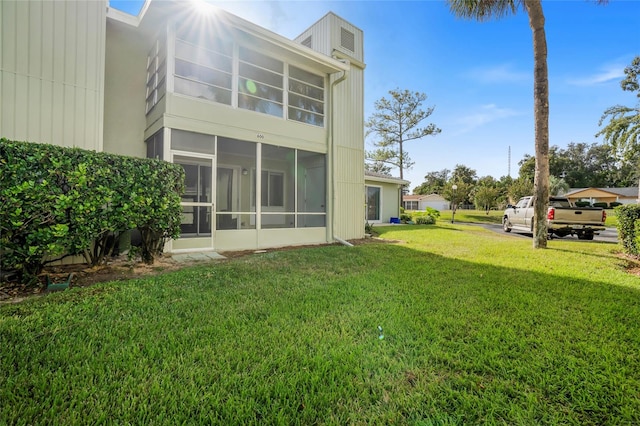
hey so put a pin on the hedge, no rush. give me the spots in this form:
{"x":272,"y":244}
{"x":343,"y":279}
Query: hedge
{"x":58,"y":201}
{"x":628,"y":216}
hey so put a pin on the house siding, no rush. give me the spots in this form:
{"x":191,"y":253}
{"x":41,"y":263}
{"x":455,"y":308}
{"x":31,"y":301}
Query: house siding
{"x":125,"y":87}
{"x":52,"y":72}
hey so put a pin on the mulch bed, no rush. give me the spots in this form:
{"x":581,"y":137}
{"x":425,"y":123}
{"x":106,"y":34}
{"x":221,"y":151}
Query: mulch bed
{"x":118,"y":269}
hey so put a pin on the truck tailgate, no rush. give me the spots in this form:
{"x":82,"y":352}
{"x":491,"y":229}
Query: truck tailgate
{"x":577,"y":216}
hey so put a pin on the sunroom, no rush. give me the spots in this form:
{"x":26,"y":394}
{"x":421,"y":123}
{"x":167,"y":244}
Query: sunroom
{"x":247,"y":113}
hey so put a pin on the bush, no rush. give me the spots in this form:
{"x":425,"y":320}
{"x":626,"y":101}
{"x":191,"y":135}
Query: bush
{"x":67,"y":201}
{"x":582,"y":204}
{"x":404,"y":218}
{"x":601,"y":205}
{"x":614,"y":204}
{"x":628,"y":216}
{"x":427,"y":217}
{"x":425,"y":220}
{"x":432,"y":212}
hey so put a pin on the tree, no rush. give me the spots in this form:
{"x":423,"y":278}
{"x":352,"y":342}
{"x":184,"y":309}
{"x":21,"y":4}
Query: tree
{"x":557,"y":186}
{"x":520,"y":187}
{"x":458,"y":195}
{"x":581,"y":165}
{"x":623,"y":131}
{"x":485,"y":10}
{"x":462,"y":173}
{"x":378,"y":167}
{"x":485,"y":197}
{"x":434,"y":183}
{"x":396,"y":121}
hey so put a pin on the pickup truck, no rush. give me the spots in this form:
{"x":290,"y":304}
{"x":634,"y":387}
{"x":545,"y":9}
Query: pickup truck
{"x":562,"y":218}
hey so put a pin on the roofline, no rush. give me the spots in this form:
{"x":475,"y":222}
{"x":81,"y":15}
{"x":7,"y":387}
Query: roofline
{"x":333,"y":64}
{"x":389,"y":179}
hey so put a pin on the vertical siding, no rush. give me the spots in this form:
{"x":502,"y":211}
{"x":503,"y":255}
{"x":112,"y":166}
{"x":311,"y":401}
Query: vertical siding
{"x":348,"y":125}
{"x":52,"y":71}
{"x":125,"y":90}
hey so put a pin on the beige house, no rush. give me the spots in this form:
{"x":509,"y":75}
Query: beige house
{"x":269,"y":130}
{"x":421,"y":202}
{"x":383,"y":197}
{"x":627,"y":195}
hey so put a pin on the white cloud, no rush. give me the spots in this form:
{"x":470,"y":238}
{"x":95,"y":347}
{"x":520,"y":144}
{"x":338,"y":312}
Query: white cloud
{"x":610,"y":72}
{"x":504,"y":73}
{"x":481,"y":116}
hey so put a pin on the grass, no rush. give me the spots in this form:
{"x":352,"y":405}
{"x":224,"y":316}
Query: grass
{"x":479,"y":328}
{"x":473,"y":216}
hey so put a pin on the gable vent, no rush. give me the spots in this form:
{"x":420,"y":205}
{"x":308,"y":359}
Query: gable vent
{"x":307,"y":42}
{"x":347,"y":39}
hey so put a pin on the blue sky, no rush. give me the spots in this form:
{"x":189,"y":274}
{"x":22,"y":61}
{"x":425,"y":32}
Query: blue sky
{"x":479,"y":76}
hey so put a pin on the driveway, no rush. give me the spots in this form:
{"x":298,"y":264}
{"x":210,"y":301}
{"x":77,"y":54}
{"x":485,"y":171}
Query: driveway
{"x":609,"y":235}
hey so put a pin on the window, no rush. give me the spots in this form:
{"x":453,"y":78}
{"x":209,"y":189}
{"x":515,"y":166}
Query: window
{"x":373,"y":203}
{"x":410,"y":205}
{"x":204,"y":72}
{"x":272,"y":189}
{"x":156,"y":74}
{"x":306,"y":97}
{"x":155,"y":145}
{"x":209,"y":65}
{"x":260,"y":83}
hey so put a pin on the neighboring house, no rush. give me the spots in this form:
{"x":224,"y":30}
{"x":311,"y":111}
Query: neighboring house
{"x":270,"y":131}
{"x":383,"y":196}
{"x":421,"y":202}
{"x":604,"y":195}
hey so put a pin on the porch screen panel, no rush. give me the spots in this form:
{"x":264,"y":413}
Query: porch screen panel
{"x":277,"y":193}
{"x":311,"y":189}
{"x":235,"y":190}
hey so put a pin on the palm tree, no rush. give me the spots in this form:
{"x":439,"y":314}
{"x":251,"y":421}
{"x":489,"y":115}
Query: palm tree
{"x":484,"y":10}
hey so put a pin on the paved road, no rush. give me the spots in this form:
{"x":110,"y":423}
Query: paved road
{"x":609,"y":235}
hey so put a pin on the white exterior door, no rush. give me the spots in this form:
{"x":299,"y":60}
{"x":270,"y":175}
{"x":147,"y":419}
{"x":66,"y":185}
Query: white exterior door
{"x":198,"y":208}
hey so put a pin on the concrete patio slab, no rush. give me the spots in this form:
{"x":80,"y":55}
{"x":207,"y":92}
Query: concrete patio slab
{"x":197,"y":257}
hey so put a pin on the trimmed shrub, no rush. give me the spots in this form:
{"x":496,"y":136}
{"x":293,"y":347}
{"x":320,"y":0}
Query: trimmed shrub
{"x":427,"y":217}
{"x":628,"y":216}
{"x":601,"y":205}
{"x":60,"y":201}
{"x":614,"y":204}
{"x":582,"y":204}
{"x":425,"y":220}
{"x":404,"y":218}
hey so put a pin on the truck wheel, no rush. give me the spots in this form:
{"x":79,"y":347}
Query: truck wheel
{"x":505,"y":225}
{"x":587,"y":235}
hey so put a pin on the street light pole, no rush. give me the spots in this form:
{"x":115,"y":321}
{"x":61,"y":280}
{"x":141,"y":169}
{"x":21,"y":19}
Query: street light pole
{"x":453,"y":213}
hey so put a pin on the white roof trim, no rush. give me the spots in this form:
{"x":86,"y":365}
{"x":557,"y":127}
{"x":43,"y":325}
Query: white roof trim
{"x":397,"y":181}
{"x":296,"y":48}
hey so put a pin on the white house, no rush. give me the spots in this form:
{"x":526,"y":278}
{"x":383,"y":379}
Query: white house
{"x":270,"y":131}
{"x":421,"y":202}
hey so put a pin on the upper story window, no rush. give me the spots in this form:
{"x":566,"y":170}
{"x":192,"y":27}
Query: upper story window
{"x":209,"y":65}
{"x":306,"y":96}
{"x":156,"y":73}
{"x":260,"y":82}
{"x":204,"y":70}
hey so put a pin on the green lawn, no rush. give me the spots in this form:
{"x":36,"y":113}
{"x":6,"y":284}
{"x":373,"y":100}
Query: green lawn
{"x":479,"y":328}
